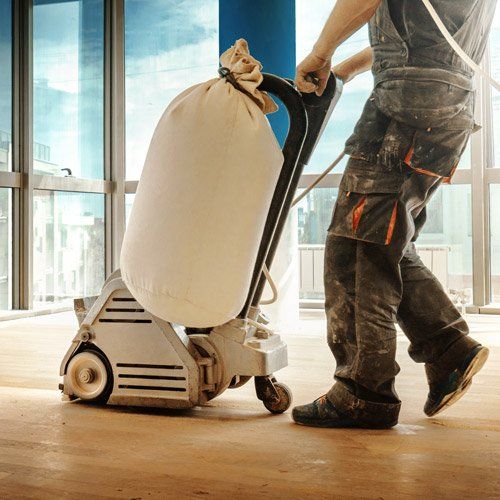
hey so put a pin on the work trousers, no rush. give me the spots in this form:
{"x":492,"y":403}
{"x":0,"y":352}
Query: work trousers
{"x":373,"y":279}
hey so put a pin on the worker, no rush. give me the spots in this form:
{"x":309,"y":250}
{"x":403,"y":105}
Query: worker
{"x":408,"y":141}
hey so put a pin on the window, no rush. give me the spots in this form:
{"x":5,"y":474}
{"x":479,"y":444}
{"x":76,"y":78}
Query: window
{"x":68,"y":107}
{"x":445,"y":243}
{"x":314,"y":213}
{"x":6,"y":86}
{"x":68,"y":245}
{"x":495,"y":73}
{"x":495,"y":241}
{"x":129,"y":201}
{"x":5,"y":248}
{"x":311,"y":16}
{"x":168,"y":47}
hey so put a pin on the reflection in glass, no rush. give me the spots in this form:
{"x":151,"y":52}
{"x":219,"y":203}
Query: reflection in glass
{"x":495,"y":241}
{"x":5,"y":86}
{"x":169,"y":46}
{"x":5,"y":248}
{"x":68,"y":58}
{"x":68,"y":245}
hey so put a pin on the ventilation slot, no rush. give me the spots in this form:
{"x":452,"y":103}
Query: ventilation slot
{"x":123,"y":299}
{"x":152,"y":388}
{"x":125,"y":309}
{"x":141,"y":365}
{"x":110,"y":320}
{"x":150,"y":377}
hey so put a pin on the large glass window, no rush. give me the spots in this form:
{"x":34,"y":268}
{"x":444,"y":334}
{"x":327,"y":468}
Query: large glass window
{"x":314,"y":216}
{"x":68,"y":245}
{"x":68,"y":58}
{"x":169,"y":45}
{"x":129,"y":201}
{"x":495,"y":72}
{"x":495,"y":241}
{"x":5,"y":248}
{"x":5,"y":85}
{"x":311,"y":16}
{"x":445,"y":243}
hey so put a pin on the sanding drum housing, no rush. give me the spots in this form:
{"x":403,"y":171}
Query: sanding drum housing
{"x":198,"y":216}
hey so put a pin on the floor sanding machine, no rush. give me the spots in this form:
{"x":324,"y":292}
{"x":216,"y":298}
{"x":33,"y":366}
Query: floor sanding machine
{"x":124,"y":355}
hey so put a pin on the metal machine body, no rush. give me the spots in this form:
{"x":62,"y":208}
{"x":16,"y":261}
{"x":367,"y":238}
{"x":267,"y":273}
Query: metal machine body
{"x":124,"y":355}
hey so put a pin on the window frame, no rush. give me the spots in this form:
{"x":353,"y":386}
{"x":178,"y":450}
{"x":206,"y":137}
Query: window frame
{"x":23,"y":182}
{"x":482,"y":174}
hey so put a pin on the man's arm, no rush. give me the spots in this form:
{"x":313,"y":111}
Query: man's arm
{"x":347,"y":17}
{"x":355,"y":65}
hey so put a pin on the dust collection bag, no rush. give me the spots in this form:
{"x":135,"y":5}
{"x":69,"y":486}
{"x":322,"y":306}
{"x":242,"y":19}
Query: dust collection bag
{"x":198,"y":216}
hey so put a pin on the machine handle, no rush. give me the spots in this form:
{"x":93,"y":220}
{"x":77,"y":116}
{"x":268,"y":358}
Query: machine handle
{"x":292,"y":148}
{"x":308,"y":115}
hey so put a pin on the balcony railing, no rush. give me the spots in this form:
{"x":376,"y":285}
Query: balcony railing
{"x":311,"y":257}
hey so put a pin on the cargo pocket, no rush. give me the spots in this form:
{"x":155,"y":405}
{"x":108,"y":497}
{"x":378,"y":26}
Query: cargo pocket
{"x":437,"y":152}
{"x":366,"y":207}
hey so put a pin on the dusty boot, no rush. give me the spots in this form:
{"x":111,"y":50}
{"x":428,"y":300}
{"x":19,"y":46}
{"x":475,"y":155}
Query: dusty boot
{"x":451,"y":388}
{"x":322,"y":413}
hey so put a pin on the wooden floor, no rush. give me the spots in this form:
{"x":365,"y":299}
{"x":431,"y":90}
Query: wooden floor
{"x":234,"y":448}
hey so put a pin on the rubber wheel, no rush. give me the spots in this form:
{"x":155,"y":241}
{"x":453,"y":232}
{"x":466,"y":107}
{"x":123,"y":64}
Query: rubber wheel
{"x":284,"y":402}
{"x":90,"y":377}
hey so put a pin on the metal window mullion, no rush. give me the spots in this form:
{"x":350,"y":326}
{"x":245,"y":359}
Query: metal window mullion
{"x":488,"y":153}
{"x":72,"y":184}
{"x":10,"y":179}
{"x":16,"y":165}
{"x":480,"y":202}
{"x":492,"y":176}
{"x":462,"y":176}
{"x":108,"y":213}
{"x":22,"y":155}
{"x":114,"y":71}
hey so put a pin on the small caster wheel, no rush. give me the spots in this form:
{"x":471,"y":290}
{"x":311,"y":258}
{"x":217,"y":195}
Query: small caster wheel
{"x":284,"y":402}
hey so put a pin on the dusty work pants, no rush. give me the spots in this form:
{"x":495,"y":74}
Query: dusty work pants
{"x":371,"y":285}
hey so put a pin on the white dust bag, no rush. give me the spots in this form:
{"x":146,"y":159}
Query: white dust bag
{"x":203,"y":197}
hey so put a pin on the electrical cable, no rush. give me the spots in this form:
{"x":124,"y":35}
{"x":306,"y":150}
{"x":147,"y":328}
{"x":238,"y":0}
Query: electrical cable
{"x":318,"y":179}
{"x":273,"y":286}
{"x":302,"y":195}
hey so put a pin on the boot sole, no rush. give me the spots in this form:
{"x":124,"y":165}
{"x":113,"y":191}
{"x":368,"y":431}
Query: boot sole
{"x":474,"y":367}
{"x":335,"y":424}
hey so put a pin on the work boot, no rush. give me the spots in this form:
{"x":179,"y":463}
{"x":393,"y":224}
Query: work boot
{"x":322,"y":413}
{"x":455,"y":384}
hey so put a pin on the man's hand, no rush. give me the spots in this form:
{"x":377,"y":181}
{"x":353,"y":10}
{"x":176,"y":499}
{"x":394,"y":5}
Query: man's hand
{"x":313,"y":74}
{"x":355,"y":65}
{"x":346,"y":17}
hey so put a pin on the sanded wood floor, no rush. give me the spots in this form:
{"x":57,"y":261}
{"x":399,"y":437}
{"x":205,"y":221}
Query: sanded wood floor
{"x":234,"y":448}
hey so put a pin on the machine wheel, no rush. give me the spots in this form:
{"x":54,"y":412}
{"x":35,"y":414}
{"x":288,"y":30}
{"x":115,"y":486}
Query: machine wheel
{"x":284,"y":402}
{"x":89,"y":376}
